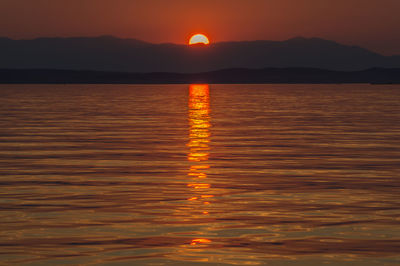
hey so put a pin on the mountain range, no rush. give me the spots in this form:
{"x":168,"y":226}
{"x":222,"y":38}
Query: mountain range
{"x":107,"y":53}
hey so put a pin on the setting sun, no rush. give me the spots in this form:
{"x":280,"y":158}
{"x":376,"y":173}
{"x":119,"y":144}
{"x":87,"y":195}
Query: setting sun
{"x":199,"y":38}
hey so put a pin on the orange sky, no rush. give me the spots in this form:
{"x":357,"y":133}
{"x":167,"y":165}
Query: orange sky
{"x":373,"y":24}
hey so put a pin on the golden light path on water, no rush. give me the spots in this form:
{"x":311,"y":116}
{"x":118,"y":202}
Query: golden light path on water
{"x":199,"y":145}
{"x":197,"y":207}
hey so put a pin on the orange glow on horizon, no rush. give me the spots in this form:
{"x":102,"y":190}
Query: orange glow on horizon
{"x":199,"y":39}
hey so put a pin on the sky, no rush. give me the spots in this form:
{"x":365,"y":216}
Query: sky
{"x":372,"y":24}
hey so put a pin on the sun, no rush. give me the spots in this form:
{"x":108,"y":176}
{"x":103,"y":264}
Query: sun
{"x":199,"y":38}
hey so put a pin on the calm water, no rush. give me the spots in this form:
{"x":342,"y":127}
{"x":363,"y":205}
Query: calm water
{"x":200,"y":175}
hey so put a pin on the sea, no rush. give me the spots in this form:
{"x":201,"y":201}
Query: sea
{"x":200,"y":174}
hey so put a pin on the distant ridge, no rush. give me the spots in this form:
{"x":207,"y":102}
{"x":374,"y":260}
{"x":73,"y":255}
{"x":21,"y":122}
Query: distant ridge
{"x":237,"y":75}
{"x":108,"y":53}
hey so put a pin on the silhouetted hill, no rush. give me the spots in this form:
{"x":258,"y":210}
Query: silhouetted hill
{"x":238,"y":75}
{"x":108,"y":53}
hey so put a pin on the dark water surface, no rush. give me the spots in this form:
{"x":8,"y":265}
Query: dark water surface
{"x":200,"y":175}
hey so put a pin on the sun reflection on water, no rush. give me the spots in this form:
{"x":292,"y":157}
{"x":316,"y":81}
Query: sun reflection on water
{"x":199,"y":119}
{"x":198,"y":241}
{"x":199,"y":145}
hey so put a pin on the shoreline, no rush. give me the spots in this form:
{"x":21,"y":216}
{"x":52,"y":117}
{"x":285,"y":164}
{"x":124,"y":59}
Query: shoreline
{"x":375,"y":76}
